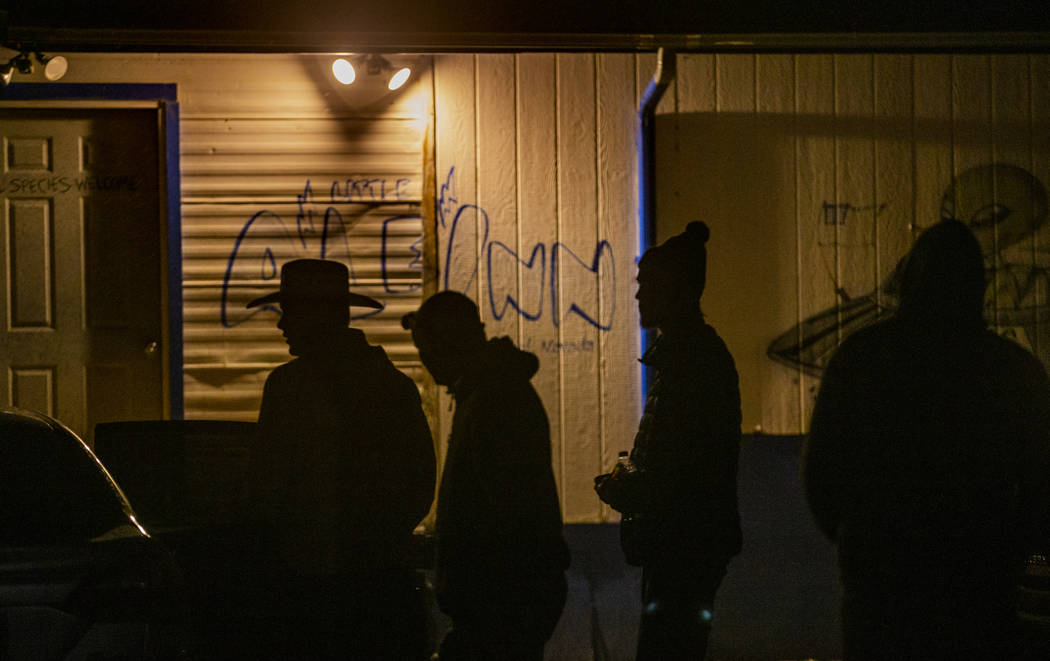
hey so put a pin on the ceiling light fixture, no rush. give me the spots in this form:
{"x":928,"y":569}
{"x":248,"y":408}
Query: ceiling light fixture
{"x":22,"y":63}
{"x":399,"y":78}
{"x":54,"y":66}
{"x":345,"y":69}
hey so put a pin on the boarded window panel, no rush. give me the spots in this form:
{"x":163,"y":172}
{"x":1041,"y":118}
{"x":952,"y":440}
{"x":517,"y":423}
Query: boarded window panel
{"x":33,"y":388}
{"x":27,"y":154}
{"x":30,"y":238}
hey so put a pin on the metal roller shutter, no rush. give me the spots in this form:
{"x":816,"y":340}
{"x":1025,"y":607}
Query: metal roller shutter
{"x":314,"y":177}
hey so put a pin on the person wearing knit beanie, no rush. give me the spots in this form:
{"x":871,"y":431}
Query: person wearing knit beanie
{"x":680,"y":518}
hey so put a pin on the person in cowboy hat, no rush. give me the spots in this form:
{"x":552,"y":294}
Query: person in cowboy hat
{"x":342,"y":471}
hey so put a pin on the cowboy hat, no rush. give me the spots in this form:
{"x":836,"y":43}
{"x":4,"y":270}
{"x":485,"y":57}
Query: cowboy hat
{"x":316,"y":280}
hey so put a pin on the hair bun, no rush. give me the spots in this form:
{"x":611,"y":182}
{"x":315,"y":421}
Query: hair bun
{"x":698,"y":231}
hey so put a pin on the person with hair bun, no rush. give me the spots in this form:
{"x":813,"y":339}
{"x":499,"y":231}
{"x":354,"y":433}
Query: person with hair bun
{"x":679,"y":504}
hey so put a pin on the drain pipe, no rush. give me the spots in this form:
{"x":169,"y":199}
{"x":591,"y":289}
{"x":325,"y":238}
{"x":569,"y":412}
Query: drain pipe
{"x":662,"y":77}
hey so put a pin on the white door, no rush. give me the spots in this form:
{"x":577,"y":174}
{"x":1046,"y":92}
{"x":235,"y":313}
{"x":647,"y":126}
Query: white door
{"x":81,"y":301}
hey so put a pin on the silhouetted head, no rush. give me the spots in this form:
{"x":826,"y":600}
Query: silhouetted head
{"x":671,"y":277}
{"x":448,"y":332}
{"x":943,"y":278}
{"x":315,"y":300}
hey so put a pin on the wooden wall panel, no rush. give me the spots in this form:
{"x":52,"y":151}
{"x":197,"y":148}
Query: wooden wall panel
{"x":619,"y":375}
{"x":498,"y":193}
{"x":777,"y":387}
{"x":819,"y":225}
{"x":696,"y":82}
{"x":735,"y":83}
{"x":577,"y":213}
{"x":538,"y":229}
{"x":894,"y":166}
{"x":854,"y":176}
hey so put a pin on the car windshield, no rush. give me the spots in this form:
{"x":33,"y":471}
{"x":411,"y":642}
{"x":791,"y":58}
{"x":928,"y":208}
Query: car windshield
{"x":51,"y":489}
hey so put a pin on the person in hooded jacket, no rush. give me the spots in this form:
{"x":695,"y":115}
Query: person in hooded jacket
{"x":680,"y":519}
{"x":342,"y":471}
{"x":500,"y":556}
{"x":926,"y":464}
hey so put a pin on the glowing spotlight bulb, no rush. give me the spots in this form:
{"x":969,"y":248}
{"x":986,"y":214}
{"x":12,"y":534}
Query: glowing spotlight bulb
{"x":55,"y":67}
{"x":399,"y":78}
{"x":343,"y":71}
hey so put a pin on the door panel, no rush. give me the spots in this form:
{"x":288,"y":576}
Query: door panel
{"x":82,"y":302}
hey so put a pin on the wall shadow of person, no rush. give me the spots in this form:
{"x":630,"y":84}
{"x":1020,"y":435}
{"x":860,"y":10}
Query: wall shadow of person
{"x":926,"y":464}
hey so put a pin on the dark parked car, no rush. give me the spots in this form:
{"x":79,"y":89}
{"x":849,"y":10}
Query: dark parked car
{"x":80,"y":578}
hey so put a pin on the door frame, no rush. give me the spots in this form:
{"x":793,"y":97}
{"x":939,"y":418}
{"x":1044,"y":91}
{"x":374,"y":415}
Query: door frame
{"x":164,"y":98}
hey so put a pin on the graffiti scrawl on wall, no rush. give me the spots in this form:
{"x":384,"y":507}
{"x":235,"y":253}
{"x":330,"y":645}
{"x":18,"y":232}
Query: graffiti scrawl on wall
{"x":321,"y":231}
{"x":1004,"y":205}
{"x":556,"y":278}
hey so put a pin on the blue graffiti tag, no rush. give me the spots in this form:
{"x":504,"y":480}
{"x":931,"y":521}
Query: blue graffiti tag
{"x":468,"y":239}
{"x":416,"y":264}
{"x":601,"y":251}
{"x":266,"y":241}
{"x":508,"y":300}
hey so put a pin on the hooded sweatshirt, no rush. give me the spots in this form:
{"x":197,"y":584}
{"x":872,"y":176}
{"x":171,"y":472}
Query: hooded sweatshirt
{"x":498,"y":518}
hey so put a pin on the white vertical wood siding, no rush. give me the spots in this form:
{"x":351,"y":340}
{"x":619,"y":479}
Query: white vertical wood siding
{"x":536,"y":222}
{"x":816,"y":172}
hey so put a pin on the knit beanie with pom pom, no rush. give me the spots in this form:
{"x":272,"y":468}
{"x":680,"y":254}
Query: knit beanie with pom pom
{"x":683,"y":256}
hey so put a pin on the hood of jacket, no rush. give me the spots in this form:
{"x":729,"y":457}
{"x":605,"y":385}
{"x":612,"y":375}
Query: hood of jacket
{"x":498,"y":362}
